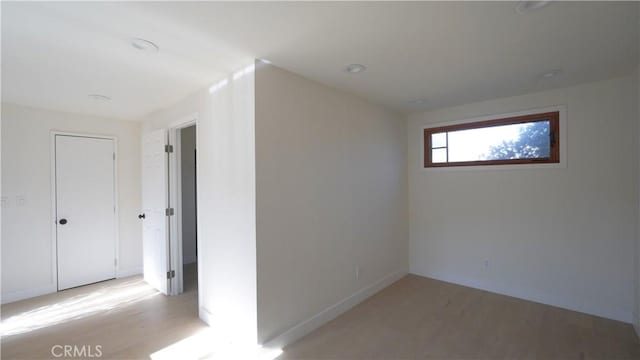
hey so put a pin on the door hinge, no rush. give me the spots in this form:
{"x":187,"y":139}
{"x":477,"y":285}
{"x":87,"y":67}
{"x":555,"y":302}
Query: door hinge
{"x":115,"y":262}
{"x":114,"y":156}
{"x":171,"y":274}
{"x":169,"y":211}
{"x":168,"y":148}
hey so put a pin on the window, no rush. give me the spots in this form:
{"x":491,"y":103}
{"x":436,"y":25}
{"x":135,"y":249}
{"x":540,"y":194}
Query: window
{"x":528,"y":139}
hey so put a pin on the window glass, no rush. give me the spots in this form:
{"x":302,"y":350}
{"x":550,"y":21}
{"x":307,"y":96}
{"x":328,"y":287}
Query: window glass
{"x":531,"y":138}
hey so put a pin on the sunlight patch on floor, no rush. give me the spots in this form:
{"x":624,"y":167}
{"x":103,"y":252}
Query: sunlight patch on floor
{"x":203,"y":345}
{"x":78,"y":307}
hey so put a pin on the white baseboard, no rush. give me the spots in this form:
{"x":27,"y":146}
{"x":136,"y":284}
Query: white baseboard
{"x":535,"y":296}
{"x":332,"y":312}
{"x":131,"y":271}
{"x":51,"y":288}
{"x":28,"y":293}
{"x":204,"y":315}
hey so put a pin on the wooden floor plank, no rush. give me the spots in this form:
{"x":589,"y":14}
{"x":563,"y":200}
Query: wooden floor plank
{"x":133,"y":325}
{"x":421,"y":318}
{"x":414,"y":318}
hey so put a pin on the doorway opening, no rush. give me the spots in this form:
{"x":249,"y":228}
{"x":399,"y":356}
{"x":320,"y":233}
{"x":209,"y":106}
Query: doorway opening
{"x":187,"y":210}
{"x":170,"y":231}
{"x":183,"y":194}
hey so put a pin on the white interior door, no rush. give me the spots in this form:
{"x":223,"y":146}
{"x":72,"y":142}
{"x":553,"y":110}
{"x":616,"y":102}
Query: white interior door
{"x":154,"y":203}
{"x":85,"y":210}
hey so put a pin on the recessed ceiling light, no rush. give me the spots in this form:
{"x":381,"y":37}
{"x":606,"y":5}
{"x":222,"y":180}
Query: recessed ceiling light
{"x":551,"y":73}
{"x":418,"y":101}
{"x":99,"y":97}
{"x":144,"y":45}
{"x":355,"y":68}
{"x":525,"y":6}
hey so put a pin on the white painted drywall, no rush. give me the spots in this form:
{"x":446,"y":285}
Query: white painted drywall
{"x":188,"y":173}
{"x":347,"y":202}
{"x":226,"y":202}
{"x":561,"y":236}
{"x":331,"y":197}
{"x":636,"y":319}
{"x":636,"y":273}
{"x":27,"y":263}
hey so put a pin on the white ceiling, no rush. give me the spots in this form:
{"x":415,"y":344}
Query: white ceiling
{"x":55,"y":54}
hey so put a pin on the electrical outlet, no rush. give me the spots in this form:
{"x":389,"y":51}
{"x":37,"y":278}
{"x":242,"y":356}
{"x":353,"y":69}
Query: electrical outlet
{"x":20,"y":201}
{"x":485,"y":263}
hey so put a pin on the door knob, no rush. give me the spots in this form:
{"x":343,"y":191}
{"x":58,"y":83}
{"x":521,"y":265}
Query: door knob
{"x":142,"y":216}
{"x":62,"y":221}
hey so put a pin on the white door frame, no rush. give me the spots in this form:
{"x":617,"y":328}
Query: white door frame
{"x":54,"y":237}
{"x":175,"y":202}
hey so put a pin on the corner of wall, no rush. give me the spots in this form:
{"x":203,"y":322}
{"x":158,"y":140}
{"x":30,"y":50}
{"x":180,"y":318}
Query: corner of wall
{"x":26,"y":239}
{"x":305,"y":327}
{"x":335,"y":129}
{"x":636,"y":309}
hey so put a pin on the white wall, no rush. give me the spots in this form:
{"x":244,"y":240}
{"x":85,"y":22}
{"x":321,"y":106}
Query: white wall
{"x":332,"y":188}
{"x":226,"y":202}
{"x":636,"y":320}
{"x":561,"y":236}
{"x":331,"y":196}
{"x":187,"y":166}
{"x":27,"y":262}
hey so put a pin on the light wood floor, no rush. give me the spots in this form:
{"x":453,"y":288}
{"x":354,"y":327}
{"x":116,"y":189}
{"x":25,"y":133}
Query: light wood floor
{"x":414,"y":318}
{"x":417,"y":318}
{"x":126,"y":317}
